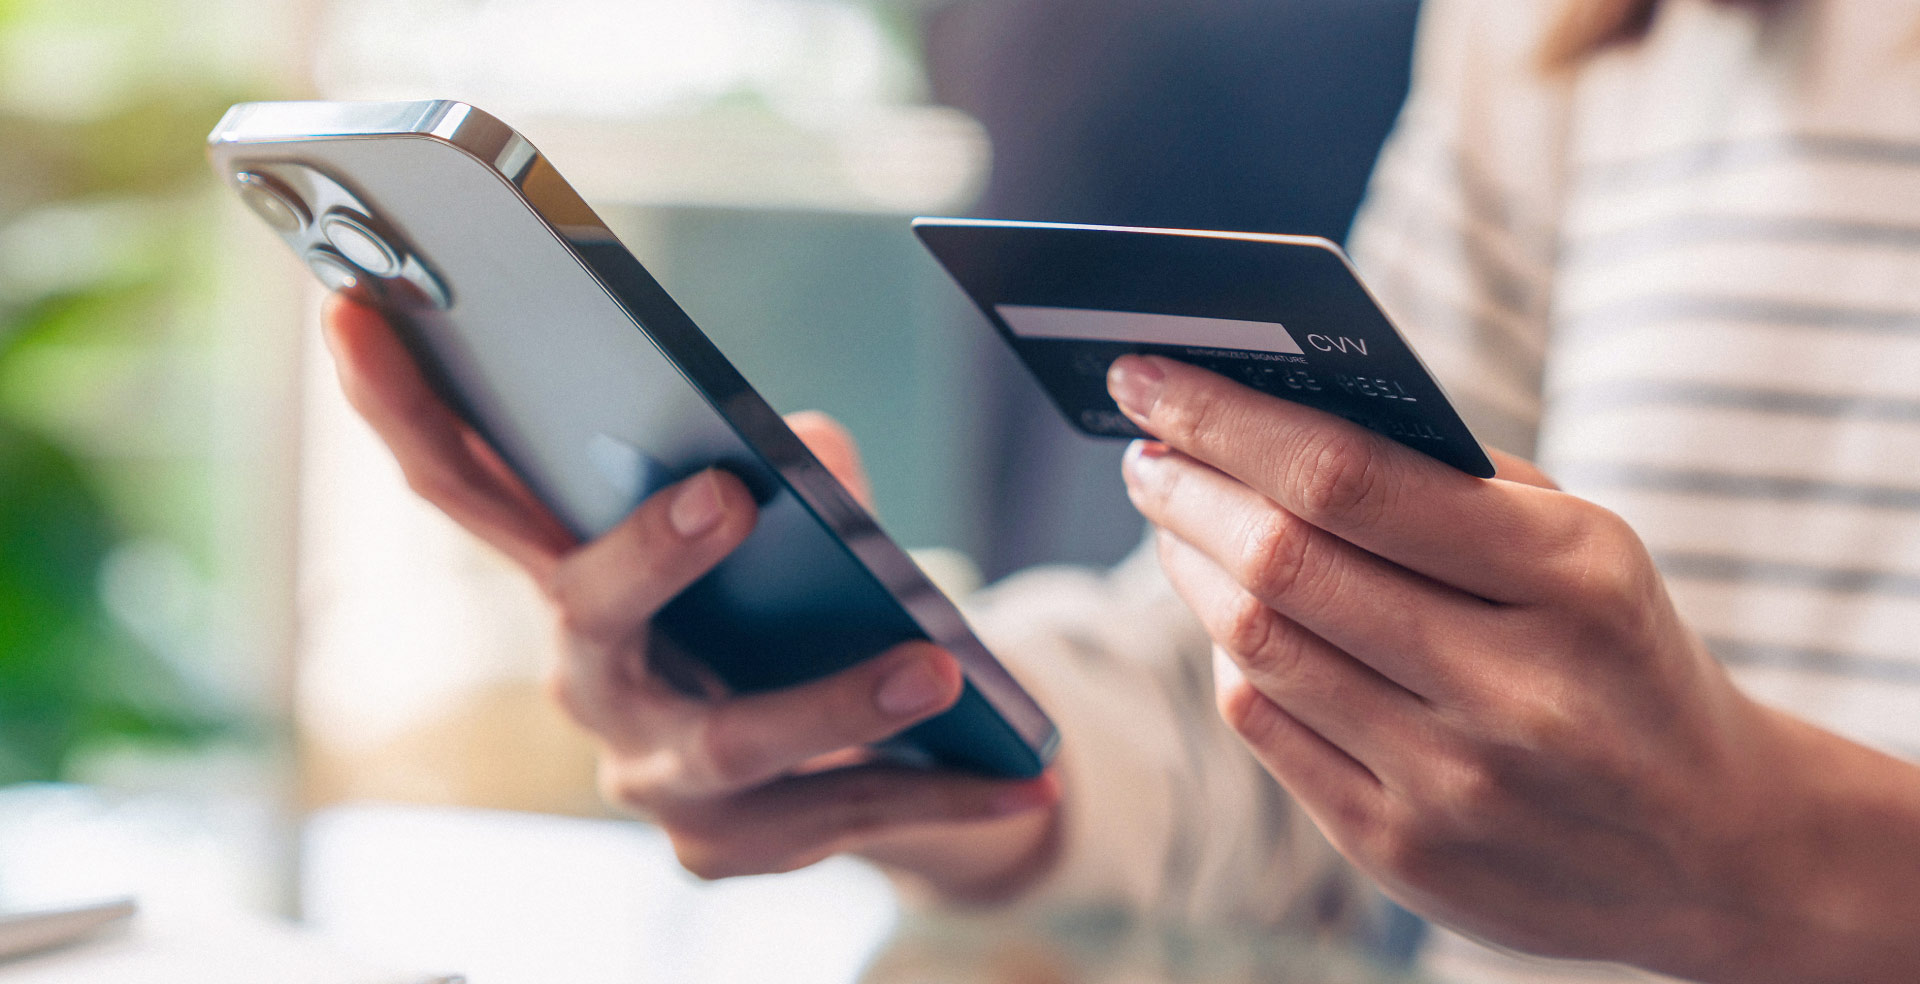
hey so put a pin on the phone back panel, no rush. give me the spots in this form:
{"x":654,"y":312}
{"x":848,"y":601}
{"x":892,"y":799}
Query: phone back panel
{"x":594,"y":386}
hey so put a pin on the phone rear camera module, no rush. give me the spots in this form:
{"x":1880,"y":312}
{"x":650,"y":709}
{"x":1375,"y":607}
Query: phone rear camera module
{"x":422,"y":285}
{"x":334,"y":271}
{"x":354,"y":237}
{"x":274,"y":202}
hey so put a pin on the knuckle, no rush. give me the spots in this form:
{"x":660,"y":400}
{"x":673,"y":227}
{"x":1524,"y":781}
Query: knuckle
{"x":1277,"y":656}
{"x":1338,"y":477}
{"x":553,"y":688}
{"x":1392,"y":844}
{"x":723,"y":756}
{"x":1548,"y":729}
{"x":1607,"y":581}
{"x":1277,"y":555}
{"x":1613,"y":587}
{"x":566,"y":597}
{"x":549,"y":584}
{"x":577,"y":629}
{"x":622,"y":789}
{"x":1408,"y":848}
{"x":617,"y":796}
{"x":1289,"y":668}
{"x":1194,"y":415}
{"x":1471,"y":790}
{"x":1469,"y":797}
{"x":1356,"y":818}
{"x":1586,"y":558}
{"x":1249,"y":713}
{"x":1552,"y":739}
{"x":1250,"y":628}
{"x":557,"y":683}
{"x":432,"y":481}
{"x":1415,"y":840}
{"x":583,"y":617}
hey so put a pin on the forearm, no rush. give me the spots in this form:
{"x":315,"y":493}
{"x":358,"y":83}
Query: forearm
{"x":1841,"y":885}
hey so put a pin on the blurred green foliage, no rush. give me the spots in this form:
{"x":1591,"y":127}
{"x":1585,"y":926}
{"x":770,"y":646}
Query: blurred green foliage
{"x":103,"y":284}
{"x":67,"y":676}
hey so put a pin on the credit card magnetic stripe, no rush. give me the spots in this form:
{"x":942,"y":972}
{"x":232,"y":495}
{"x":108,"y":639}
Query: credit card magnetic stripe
{"x":1283,"y":315}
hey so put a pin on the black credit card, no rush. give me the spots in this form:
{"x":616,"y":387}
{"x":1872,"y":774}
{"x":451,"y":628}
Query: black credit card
{"x":1286,"y":315}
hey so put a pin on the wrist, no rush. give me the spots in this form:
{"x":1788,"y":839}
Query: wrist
{"x":972,"y":865}
{"x":1827,"y":878}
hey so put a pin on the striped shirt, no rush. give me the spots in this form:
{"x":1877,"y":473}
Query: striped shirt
{"x":1686,"y":279}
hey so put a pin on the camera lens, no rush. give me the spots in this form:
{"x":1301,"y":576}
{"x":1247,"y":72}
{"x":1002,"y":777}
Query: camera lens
{"x":336,"y":272}
{"x":273,"y":202}
{"x":356,"y":240}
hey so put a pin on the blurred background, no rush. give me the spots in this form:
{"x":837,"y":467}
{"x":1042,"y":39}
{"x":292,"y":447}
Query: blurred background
{"x":240,"y":667}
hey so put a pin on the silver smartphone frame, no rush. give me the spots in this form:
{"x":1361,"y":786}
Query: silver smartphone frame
{"x":515,"y":161}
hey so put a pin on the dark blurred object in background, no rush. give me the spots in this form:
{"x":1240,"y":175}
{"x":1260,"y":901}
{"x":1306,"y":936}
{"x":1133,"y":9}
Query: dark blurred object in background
{"x":1252,"y":115}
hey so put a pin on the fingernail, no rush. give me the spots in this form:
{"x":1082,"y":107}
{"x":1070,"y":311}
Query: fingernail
{"x":1135,"y":384}
{"x":1135,"y":460}
{"x":914,"y":689}
{"x":1140,"y":456}
{"x":697,"y":507}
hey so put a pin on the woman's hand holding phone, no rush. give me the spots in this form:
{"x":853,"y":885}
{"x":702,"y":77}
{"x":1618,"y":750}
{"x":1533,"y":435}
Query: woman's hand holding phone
{"x":743,"y":784}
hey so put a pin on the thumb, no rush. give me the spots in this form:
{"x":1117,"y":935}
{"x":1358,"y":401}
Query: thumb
{"x":1514,"y":468}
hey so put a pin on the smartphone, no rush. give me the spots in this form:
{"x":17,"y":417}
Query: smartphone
{"x":1286,"y":315}
{"x":537,"y":326}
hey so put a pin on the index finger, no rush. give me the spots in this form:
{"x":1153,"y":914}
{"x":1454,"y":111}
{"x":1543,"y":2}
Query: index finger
{"x":443,"y":459}
{"x":1483,"y":536}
